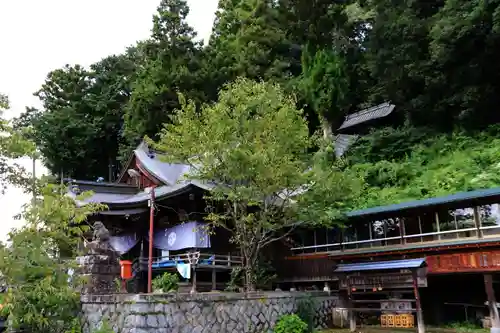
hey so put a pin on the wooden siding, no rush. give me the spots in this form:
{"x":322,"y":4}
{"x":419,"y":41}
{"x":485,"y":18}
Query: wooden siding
{"x":477,"y":261}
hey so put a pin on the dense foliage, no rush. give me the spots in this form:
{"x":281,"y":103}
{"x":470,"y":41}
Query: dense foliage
{"x":407,"y":164}
{"x":434,"y":60}
{"x":290,"y":324}
{"x":254,"y":144}
{"x":35,"y":261}
{"x":166,"y":282}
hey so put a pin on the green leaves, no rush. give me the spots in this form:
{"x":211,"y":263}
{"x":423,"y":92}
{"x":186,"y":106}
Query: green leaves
{"x":254,"y":144}
{"x":422,"y":166}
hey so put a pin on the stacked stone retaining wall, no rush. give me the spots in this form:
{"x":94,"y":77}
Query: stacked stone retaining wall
{"x":199,"y":313}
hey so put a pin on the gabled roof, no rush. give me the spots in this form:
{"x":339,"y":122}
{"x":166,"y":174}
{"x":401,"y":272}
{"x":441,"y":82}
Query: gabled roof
{"x":151,"y":162}
{"x":366,"y":115}
{"x":167,"y":173}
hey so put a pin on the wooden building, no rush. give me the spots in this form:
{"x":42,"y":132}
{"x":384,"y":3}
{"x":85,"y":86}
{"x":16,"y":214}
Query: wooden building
{"x":152,"y":193}
{"x":457,"y":238}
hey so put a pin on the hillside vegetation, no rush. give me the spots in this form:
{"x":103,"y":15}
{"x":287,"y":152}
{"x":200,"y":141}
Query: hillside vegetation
{"x":405,"y":164}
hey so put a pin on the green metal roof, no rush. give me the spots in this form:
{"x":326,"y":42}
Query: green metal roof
{"x":443,"y":200}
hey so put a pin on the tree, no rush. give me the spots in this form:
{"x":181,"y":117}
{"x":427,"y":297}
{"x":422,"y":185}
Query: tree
{"x":248,"y":40}
{"x":324,"y":84}
{"x":12,"y":145}
{"x":254,"y":144}
{"x":40,"y":296}
{"x":172,"y":65}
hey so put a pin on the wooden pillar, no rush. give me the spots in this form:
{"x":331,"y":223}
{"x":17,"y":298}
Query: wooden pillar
{"x":438,"y":227}
{"x":420,"y":317}
{"x":214,"y":277}
{"x":420,"y":228}
{"x":490,"y":293}
{"x":350,"y":305}
{"x":341,"y":239}
{"x":477,"y":222}
{"x":371,"y":232}
{"x":402,"y":230}
{"x":193,"y":286}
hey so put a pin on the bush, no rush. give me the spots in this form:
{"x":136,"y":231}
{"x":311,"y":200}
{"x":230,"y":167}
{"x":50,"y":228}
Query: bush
{"x":290,"y":324}
{"x":306,"y":310}
{"x":166,"y":282}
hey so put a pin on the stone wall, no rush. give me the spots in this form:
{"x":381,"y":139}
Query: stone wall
{"x":199,"y":313}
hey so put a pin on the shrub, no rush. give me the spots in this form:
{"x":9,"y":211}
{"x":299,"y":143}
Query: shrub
{"x":290,"y":324}
{"x":306,"y":310}
{"x":166,"y":282}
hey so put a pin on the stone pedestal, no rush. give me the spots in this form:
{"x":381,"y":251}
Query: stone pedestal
{"x":100,"y":273}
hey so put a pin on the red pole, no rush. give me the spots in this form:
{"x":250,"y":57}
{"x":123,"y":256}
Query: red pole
{"x":151,"y":220}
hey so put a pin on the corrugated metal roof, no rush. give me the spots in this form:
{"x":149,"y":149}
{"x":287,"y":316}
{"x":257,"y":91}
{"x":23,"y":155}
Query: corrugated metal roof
{"x":380,"y":265}
{"x":375,"y":112}
{"x":461,"y":196}
{"x":343,"y":142}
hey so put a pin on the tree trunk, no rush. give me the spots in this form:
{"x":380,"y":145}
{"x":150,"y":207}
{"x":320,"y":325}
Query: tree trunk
{"x":326,"y":126}
{"x":249,"y":278}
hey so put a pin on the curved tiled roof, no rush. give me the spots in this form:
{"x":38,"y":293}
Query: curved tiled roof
{"x":142,"y":197}
{"x":167,"y":173}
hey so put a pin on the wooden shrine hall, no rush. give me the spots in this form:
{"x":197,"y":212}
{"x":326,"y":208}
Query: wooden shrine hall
{"x":455,"y":237}
{"x":156,"y":219}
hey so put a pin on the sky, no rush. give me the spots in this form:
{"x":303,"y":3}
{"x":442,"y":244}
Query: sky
{"x":39,"y":36}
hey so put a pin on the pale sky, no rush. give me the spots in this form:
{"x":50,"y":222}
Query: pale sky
{"x":37,"y":36}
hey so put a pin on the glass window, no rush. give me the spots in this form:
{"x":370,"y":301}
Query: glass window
{"x":490,"y":219}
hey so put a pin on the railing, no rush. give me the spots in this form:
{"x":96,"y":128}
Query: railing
{"x":202,"y":260}
{"x":405,"y":240}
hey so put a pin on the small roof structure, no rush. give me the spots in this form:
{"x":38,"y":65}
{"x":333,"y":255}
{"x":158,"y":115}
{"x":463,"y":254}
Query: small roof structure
{"x":365,"y":116}
{"x":381,"y":265}
{"x":343,"y":142}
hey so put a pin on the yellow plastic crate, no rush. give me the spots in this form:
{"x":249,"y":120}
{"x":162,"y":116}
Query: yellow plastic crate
{"x":400,"y":321}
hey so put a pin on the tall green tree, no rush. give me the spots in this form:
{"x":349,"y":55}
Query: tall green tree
{"x":325,"y":84}
{"x":397,"y":51}
{"x":79,"y":129}
{"x":464,"y":84}
{"x":254,"y":144}
{"x":12,"y":145}
{"x":172,"y":64}
{"x":249,"y":40}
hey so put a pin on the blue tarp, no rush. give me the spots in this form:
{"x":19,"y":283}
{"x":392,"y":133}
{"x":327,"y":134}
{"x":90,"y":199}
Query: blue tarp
{"x":381,"y":265}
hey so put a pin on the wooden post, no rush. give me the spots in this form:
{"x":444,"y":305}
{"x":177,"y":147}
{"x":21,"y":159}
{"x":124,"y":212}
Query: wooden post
{"x":350,"y":304}
{"x":477,"y":222}
{"x":341,"y":239}
{"x":402,"y":231}
{"x":371,"y":232}
{"x":420,"y":228}
{"x":420,"y":318}
{"x":490,"y":293}
{"x":214,"y":276}
{"x":193,"y":286}
{"x":438,"y":227}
